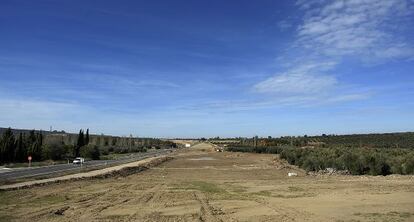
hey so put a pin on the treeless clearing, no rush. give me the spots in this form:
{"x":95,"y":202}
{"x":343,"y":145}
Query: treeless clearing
{"x":201,"y":185}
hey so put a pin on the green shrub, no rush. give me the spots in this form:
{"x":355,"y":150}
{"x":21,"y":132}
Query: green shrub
{"x":53,"y":151}
{"x":408,"y":166}
{"x":357,"y":161}
{"x":90,"y":151}
{"x":104,"y":151}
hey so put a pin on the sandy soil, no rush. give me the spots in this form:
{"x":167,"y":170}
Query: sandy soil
{"x":202,"y":185}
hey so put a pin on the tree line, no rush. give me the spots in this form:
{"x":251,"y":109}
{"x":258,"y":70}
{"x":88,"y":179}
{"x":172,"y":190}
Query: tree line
{"x":375,"y":140}
{"x":16,"y":146}
{"x":19,"y":148}
{"x":14,"y":149}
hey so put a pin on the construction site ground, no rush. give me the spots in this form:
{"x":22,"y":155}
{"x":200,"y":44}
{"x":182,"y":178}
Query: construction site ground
{"x":199,"y":184}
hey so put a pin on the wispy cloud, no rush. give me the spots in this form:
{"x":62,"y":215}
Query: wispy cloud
{"x":28,"y":113}
{"x":304,"y":79}
{"x":330,"y":32}
{"x":33,"y":108}
{"x":123,"y":82}
{"x":368,"y":28}
{"x":283,"y":25}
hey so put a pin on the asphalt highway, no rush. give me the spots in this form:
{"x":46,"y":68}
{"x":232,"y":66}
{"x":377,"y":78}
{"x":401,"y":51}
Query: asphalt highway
{"x":60,"y":168}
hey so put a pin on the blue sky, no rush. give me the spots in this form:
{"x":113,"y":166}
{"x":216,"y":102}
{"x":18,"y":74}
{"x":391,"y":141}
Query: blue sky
{"x":208,"y":68}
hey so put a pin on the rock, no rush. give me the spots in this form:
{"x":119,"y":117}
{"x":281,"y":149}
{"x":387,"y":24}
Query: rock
{"x":291,"y":174}
{"x":61,"y":210}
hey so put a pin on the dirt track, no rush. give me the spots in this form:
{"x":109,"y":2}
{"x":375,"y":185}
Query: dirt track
{"x":201,"y":185}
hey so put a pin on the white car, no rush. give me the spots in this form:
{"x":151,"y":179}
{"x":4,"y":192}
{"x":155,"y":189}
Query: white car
{"x":78,"y":160}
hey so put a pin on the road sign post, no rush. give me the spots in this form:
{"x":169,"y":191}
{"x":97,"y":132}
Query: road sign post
{"x":30,"y":160}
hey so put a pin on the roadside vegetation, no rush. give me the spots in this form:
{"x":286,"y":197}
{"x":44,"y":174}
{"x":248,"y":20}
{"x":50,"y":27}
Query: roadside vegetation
{"x":16,"y":146}
{"x":373,"y":154}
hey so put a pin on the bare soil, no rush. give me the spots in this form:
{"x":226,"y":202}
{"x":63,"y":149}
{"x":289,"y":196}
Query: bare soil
{"x":202,"y":185}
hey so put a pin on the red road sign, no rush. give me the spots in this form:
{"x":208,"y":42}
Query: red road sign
{"x":29,"y":158}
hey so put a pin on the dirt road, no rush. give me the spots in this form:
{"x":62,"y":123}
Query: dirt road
{"x":202,"y":185}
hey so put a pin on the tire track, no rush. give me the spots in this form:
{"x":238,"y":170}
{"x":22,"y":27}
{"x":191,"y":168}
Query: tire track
{"x":283,"y":213}
{"x":148,"y":197}
{"x":207,"y":212}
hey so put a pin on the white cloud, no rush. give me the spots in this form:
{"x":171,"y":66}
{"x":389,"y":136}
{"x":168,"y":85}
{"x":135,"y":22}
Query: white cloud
{"x":361,"y":28}
{"x":304,"y":79}
{"x":119,"y":81}
{"x":39,"y":109}
{"x":40,"y":114}
{"x":283,"y":25}
{"x":396,"y":51}
{"x":365,"y":30}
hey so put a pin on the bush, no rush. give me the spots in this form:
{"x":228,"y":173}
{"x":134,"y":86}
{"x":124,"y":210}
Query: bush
{"x":357,"y":161}
{"x":53,"y":151}
{"x":90,"y":151}
{"x":408,"y":165}
{"x":104,"y":151}
{"x":259,"y":149}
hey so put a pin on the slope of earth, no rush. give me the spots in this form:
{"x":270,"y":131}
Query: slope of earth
{"x":202,"y":185}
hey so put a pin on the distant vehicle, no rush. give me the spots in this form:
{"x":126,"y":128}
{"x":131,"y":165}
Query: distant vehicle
{"x":187,"y":145}
{"x":78,"y":160}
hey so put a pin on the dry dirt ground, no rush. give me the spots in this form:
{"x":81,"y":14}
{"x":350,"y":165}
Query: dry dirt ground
{"x":202,"y":185}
